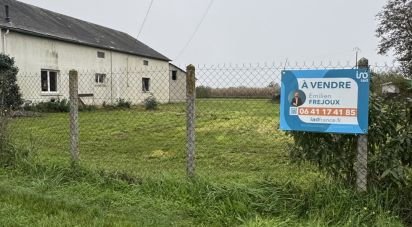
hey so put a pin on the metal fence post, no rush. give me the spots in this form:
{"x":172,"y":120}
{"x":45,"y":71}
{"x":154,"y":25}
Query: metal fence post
{"x":361,"y":165}
{"x":74,"y":116}
{"x":190,"y":118}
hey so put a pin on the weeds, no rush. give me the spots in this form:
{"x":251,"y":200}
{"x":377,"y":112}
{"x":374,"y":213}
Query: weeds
{"x":118,"y":183}
{"x":208,"y":203}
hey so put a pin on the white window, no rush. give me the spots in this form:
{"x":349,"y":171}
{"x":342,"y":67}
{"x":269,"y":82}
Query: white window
{"x":48,"y":81}
{"x":145,"y":84}
{"x":100,"y":78}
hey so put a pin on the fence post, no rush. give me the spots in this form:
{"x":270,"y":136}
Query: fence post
{"x":190,"y":119}
{"x":361,"y":165}
{"x":74,"y":116}
{"x":3,"y":114}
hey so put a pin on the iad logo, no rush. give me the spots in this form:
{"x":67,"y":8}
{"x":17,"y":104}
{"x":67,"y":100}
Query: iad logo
{"x":362,"y":76}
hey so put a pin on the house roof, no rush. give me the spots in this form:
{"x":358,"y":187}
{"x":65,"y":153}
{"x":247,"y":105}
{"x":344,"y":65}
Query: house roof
{"x":177,"y":67}
{"x":40,"y":22}
{"x":387,"y":83}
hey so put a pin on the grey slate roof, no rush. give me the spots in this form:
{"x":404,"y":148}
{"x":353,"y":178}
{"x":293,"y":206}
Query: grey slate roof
{"x":36,"y":21}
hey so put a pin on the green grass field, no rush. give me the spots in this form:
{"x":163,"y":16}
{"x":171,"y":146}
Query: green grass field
{"x":133,"y":173}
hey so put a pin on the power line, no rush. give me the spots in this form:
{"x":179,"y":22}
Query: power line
{"x":196,"y":29}
{"x":145,"y":18}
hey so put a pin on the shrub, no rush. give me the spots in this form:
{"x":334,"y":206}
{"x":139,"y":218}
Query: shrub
{"x":52,"y":106}
{"x":275,"y":98}
{"x":56,"y":106}
{"x":8,"y":83}
{"x":150,"y":103}
{"x":122,"y":103}
{"x":389,"y":145}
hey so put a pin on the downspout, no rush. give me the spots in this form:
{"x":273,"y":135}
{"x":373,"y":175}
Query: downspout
{"x":170,"y":78}
{"x":8,"y":20}
{"x":1,"y":40}
{"x":5,"y":41}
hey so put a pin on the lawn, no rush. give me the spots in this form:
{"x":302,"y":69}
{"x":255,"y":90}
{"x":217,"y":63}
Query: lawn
{"x":133,"y":172}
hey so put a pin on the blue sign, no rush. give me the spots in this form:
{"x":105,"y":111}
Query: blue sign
{"x":329,"y":101}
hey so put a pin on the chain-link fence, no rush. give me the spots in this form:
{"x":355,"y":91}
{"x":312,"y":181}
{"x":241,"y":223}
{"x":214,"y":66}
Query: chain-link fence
{"x":143,"y":120}
{"x":128,"y":119}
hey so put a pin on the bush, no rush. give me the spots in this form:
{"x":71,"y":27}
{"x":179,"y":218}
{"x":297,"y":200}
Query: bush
{"x":150,"y":103}
{"x":275,"y":98}
{"x":53,"y":106}
{"x":56,"y":106}
{"x":389,"y":145}
{"x":8,"y":83}
{"x":122,"y":103}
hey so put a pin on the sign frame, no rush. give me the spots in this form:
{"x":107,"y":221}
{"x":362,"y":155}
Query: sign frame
{"x":333,"y":110}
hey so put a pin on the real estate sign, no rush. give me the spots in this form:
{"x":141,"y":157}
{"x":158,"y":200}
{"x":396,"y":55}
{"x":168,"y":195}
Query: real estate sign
{"x":330,"y":101}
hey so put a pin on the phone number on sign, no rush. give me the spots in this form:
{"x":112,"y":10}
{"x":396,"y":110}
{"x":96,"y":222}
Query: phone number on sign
{"x":314,"y":111}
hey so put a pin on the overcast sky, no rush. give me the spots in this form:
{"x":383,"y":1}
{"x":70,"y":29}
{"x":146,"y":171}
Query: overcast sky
{"x":240,"y":31}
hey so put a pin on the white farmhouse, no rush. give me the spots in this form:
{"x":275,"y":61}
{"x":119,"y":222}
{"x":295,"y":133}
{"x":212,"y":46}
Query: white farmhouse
{"x":112,"y":65}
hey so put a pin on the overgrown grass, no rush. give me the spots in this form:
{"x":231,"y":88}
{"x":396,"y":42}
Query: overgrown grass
{"x":132,"y":173}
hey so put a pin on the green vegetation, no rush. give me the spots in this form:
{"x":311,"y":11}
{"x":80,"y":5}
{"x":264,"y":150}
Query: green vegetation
{"x":133,"y":173}
{"x":9,"y":90}
{"x":53,"y":106}
{"x":272,"y":91}
{"x":389,"y":146}
{"x":394,"y":35}
{"x":150,"y":103}
{"x":396,"y":79}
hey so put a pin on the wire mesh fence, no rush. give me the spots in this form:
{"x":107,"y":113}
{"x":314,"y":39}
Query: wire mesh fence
{"x":136,"y":119}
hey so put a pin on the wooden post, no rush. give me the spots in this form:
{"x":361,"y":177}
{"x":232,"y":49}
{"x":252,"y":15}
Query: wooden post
{"x":74,"y":116}
{"x":361,"y":165}
{"x":191,"y":119}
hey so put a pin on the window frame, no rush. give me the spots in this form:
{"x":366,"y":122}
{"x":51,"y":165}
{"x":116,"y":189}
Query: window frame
{"x":48,"y":71}
{"x":144,"y":84}
{"x":174,"y":75}
{"x":146,"y":62}
{"x":101,"y":54}
{"x":98,"y":77}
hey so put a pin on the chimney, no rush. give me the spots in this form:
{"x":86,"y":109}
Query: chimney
{"x":7,"y":13}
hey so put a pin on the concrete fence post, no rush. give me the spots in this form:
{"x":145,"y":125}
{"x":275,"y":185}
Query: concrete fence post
{"x":361,"y":165}
{"x":74,"y":116}
{"x":3,"y":114}
{"x":190,"y":119}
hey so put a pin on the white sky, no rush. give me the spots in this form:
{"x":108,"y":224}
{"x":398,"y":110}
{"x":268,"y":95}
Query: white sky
{"x":241,"y":31}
